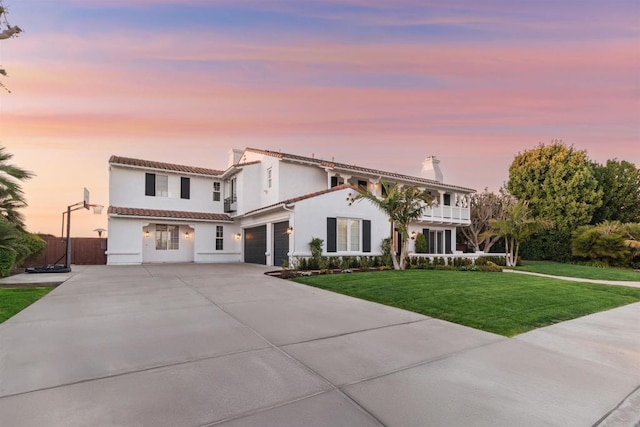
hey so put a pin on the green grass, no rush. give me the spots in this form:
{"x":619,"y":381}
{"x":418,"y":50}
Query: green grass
{"x":582,"y":271}
{"x":14,"y":300}
{"x":506,"y":304}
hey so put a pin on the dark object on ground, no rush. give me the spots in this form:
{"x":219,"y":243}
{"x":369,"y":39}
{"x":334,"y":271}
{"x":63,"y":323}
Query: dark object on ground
{"x":56,"y":268}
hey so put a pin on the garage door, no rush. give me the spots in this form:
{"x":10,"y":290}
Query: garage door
{"x":280,"y":243}
{"x":255,"y":245}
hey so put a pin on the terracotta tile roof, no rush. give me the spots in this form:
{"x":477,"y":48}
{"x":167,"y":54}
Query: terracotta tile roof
{"x":158,"y":213}
{"x":163,"y":166}
{"x":306,"y":196}
{"x":344,"y":166}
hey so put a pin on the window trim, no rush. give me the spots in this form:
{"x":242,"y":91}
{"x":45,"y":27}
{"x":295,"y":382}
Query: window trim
{"x":219,"y":239}
{"x":217,"y":192}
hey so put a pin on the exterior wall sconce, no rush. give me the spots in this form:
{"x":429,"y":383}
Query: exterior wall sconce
{"x":238,"y":236}
{"x":146,"y":234}
{"x":413,"y":235}
{"x":289,"y":230}
{"x":186,"y":235}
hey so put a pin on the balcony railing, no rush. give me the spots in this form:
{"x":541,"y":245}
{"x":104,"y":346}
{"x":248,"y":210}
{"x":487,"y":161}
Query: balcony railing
{"x":230,"y":204}
{"x":448,"y":213}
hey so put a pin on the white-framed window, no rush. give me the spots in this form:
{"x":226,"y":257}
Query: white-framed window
{"x":219,"y":238}
{"x":348,"y":235}
{"x":269,"y":177}
{"x":167,"y":237}
{"x":162,"y":186}
{"x":216,"y":191}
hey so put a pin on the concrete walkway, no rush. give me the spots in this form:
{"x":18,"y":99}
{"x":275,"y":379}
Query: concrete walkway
{"x":577,"y":279}
{"x":196,"y":345}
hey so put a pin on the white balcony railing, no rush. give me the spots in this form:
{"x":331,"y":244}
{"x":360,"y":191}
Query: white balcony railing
{"x":447,"y":214}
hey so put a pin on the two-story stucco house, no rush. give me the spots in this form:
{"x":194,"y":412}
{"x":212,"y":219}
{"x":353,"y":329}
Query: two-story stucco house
{"x":264,"y":208}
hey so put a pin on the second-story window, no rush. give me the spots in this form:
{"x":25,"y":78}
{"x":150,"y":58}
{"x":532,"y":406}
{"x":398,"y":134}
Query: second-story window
{"x":156,"y":185}
{"x":216,"y":191}
{"x":269,"y":178}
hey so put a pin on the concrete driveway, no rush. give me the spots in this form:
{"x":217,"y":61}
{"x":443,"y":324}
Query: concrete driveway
{"x":195,"y":345}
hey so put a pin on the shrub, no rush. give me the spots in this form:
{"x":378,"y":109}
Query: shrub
{"x":496,"y":260}
{"x":610,"y":242}
{"x":552,"y":245}
{"x":491,"y":267}
{"x":7,"y":261}
{"x":462,"y":262}
{"x":35,"y":246}
{"x":421,"y":244}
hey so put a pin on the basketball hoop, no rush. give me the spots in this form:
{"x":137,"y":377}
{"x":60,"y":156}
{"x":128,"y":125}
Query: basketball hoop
{"x":97,"y":209}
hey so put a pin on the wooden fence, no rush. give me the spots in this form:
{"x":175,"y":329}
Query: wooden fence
{"x":84,"y":251}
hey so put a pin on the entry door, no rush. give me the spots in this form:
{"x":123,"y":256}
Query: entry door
{"x":255,"y":245}
{"x":280,"y":243}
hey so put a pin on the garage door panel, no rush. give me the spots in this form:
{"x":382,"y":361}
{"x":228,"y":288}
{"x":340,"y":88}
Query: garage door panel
{"x":280,"y":243}
{"x":255,"y":245}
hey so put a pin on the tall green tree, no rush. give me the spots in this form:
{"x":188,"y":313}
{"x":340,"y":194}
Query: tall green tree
{"x":11,"y":193}
{"x":558,"y":182}
{"x":619,"y":182}
{"x":402,"y":204}
{"x":516,"y":226}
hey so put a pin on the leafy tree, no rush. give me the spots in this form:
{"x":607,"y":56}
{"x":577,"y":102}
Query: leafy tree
{"x":484,"y":207}
{"x":11,"y":194}
{"x":619,"y":182}
{"x":517,"y":225}
{"x":559,"y":184}
{"x":402,"y":205}
{"x":611,"y":241}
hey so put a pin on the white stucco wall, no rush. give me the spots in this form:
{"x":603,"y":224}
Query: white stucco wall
{"x":311,"y":221}
{"x":205,"y":243}
{"x":127,"y":189}
{"x":298,"y":180}
{"x":124,"y":246}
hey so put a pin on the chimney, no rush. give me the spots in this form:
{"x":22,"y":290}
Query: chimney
{"x":431,"y":169}
{"x":234,"y":156}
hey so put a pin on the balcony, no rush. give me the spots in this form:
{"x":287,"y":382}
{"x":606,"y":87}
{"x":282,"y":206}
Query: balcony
{"x":448,"y":214}
{"x":231,"y":204}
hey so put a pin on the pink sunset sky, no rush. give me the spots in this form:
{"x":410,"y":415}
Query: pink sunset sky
{"x":380,"y":84}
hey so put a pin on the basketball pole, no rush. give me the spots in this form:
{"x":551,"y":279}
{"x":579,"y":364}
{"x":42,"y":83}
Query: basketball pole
{"x":80,"y":205}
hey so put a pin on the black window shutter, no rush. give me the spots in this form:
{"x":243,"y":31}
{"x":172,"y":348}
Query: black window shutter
{"x":366,"y":235}
{"x":425,"y":231}
{"x":334,"y":181}
{"x":150,"y":184}
{"x":185,"y":190}
{"x":332,"y":224}
{"x":447,"y":241}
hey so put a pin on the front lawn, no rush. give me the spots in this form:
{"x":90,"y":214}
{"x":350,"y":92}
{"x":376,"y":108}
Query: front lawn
{"x":506,"y":304}
{"x":14,"y":300}
{"x":582,"y":271}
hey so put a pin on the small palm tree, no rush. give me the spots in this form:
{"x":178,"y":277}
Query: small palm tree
{"x":402,"y":205}
{"x":517,"y":225}
{"x":11,"y":194}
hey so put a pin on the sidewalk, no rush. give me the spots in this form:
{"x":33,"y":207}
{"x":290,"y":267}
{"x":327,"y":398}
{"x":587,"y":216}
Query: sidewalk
{"x":225,"y":345}
{"x":577,"y":279}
